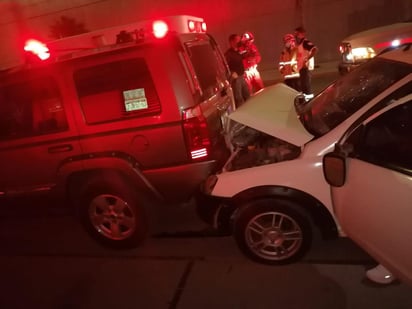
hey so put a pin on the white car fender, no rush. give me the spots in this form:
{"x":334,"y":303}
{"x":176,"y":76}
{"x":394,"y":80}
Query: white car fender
{"x":286,"y":173}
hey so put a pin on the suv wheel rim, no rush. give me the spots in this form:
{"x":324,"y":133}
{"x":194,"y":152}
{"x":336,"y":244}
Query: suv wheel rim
{"x":273,"y":236}
{"x":112,"y":217}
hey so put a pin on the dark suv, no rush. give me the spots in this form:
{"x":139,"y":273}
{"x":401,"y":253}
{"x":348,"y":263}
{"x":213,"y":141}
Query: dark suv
{"x":109,"y":118}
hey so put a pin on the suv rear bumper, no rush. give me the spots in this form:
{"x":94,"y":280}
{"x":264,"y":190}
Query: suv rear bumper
{"x":179,"y":183}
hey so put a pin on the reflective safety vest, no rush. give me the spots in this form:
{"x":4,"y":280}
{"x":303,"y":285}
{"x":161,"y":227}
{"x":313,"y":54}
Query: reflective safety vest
{"x":302,"y":58}
{"x":288,"y":64}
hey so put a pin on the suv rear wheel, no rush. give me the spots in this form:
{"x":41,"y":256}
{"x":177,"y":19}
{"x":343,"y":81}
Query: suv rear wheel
{"x":272,"y":231}
{"x":113,"y":215}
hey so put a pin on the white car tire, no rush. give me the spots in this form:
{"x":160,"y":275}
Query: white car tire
{"x":272,"y":231}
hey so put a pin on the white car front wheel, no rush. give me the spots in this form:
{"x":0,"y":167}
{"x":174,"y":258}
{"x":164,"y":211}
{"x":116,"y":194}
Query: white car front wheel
{"x":272,"y":231}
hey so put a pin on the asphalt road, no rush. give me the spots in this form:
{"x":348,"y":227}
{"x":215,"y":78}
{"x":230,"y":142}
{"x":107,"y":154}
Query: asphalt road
{"x":48,"y":261}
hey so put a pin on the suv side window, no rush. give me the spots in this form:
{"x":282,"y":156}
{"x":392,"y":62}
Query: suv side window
{"x":387,"y":139}
{"x":209,"y":70}
{"x":31,"y":108}
{"x":116,"y":90}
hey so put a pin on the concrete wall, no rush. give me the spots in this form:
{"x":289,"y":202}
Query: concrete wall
{"x":326,"y":21}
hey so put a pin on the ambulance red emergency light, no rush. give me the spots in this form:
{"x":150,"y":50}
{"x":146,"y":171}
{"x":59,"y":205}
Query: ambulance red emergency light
{"x":134,"y":32}
{"x":360,"y":47}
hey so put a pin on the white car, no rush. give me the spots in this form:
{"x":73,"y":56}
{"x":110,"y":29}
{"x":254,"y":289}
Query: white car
{"x":272,"y":193}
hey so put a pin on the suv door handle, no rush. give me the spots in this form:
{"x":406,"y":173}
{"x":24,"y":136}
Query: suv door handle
{"x":60,"y":148}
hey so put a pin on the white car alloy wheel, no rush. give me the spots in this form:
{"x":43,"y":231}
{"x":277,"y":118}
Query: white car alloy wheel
{"x":273,"y":236}
{"x":272,"y":231}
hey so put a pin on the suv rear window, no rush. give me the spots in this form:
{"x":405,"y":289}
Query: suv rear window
{"x":32,"y":107}
{"x":116,"y":90}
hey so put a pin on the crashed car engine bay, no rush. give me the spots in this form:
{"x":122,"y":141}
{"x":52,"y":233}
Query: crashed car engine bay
{"x":253,"y":148}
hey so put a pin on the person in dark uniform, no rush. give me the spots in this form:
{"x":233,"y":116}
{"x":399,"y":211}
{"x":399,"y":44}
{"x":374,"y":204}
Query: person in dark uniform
{"x":235,"y":62}
{"x":305,"y":58}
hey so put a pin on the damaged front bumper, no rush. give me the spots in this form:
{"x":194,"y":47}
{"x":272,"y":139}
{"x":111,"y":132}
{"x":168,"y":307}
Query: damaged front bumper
{"x":215,"y":211}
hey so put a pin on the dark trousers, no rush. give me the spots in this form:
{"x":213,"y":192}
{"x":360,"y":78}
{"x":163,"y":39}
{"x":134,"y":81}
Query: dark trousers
{"x":293,"y":83}
{"x":240,"y":90}
{"x":305,"y":81}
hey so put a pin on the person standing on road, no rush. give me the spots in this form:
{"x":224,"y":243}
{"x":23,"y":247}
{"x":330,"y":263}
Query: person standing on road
{"x":306,"y":52}
{"x":288,"y":64}
{"x":237,"y":70}
{"x":251,"y":58}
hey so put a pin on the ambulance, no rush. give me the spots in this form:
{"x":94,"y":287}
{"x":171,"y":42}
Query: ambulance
{"x":360,"y":47}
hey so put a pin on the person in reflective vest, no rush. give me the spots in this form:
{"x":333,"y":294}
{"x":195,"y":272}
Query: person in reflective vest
{"x":288,"y":64}
{"x":306,"y":53}
{"x":251,"y":58}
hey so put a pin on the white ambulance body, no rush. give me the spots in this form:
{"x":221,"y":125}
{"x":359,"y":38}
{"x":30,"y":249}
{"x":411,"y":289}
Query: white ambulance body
{"x":362,"y":46}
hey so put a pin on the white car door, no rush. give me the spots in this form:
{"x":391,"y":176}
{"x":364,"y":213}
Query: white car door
{"x":374,"y":205}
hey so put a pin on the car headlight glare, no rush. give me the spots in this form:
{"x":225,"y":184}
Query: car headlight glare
{"x":362,"y":53}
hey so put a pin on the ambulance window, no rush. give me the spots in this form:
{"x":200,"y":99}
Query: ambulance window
{"x":209,"y":67}
{"x":116,"y":90}
{"x":31,"y":108}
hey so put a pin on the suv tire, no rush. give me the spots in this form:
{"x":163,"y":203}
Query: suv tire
{"x":272,"y":231}
{"x":113,"y":215}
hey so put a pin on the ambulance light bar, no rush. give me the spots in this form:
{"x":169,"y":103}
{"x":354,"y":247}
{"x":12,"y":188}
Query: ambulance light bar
{"x":37,"y":48}
{"x":134,"y":32}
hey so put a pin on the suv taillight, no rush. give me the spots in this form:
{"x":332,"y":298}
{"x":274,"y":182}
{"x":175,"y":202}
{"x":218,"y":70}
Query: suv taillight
{"x":196,"y":133}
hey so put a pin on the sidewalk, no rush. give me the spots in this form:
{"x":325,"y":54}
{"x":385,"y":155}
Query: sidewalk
{"x":161,"y":276}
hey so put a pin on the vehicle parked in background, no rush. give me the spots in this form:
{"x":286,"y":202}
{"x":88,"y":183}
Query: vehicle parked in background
{"x":363,"y":46}
{"x":109,"y":118}
{"x":272,"y":194}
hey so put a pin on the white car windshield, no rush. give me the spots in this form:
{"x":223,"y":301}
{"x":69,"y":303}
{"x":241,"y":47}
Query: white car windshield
{"x":351,"y":92}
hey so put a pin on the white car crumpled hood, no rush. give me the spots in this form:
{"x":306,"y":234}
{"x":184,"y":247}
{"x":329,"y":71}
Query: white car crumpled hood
{"x":272,"y":111}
